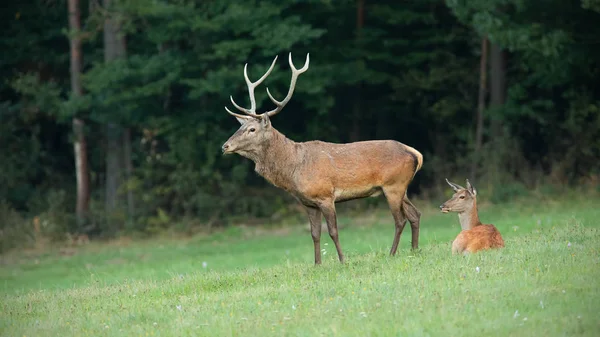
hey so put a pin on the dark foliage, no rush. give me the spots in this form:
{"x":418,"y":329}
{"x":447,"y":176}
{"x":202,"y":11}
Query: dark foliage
{"x":409,"y":72}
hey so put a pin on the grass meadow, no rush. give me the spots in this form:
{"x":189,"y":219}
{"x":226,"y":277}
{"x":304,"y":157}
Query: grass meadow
{"x":256,"y":281}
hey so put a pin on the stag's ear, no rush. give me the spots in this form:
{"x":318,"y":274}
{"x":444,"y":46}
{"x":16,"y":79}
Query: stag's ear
{"x":471,"y":189}
{"x":265,"y":120}
{"x":241,"y":120}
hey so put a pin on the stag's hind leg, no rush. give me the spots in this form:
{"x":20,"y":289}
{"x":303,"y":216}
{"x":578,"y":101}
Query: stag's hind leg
{"x":394,"y":199}
{"x":414,"y":217}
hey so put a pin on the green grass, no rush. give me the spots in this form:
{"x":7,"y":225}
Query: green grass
{"x":259,"y":283}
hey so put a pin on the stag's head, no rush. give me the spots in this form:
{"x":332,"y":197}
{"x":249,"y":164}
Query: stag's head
{"x":251,"y":136}
{"x":462,"y":200}
{"x":255,"y":130}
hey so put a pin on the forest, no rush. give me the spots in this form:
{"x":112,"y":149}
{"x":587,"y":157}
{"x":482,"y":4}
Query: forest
{"x":112,"y":111}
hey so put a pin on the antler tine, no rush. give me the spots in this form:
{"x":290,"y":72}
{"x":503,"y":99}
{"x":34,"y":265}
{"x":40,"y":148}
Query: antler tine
{"x":251,"y":86}
{"x":295,"y":73}
{"x":244,"y":110}
{"x":236,"y":115}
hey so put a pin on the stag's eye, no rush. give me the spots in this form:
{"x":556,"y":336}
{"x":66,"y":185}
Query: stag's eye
{"x":462,"y":196}
{"x":252,"y":129}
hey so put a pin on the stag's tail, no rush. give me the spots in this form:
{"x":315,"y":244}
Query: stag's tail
{"x":418,"y":159}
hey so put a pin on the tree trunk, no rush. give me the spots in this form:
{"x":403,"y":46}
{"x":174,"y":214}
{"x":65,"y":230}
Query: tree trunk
{"x":113,"y":166}
{"x":79,"y":145}
{"x":480,"y":107}
{"x":357,"y":106}
{"x":497,"y":86}
{"x":128,"y":171}
{"x":127,"y":160}
{"x":496,"y":162}
{"x":114,"y":48}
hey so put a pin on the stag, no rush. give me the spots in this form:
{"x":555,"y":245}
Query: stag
{"x":320,"y":174}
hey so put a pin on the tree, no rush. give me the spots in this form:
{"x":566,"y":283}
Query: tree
{"x":79,"y":144}
{"x":480,"y":107}
{"x":114,"y":48}
{"x":355,"y":133}
{"x":497,"y":86}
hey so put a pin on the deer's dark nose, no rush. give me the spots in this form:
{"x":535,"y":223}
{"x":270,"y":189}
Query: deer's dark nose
{"x":441,"y":206}
{"x":225,"y":147}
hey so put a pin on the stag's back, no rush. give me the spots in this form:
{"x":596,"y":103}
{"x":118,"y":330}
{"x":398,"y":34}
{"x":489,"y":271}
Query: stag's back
{"x":359,"y":169}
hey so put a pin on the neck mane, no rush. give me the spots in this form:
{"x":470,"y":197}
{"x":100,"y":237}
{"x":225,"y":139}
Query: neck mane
{"x":277,"y":160}
{"x":469,"y":218}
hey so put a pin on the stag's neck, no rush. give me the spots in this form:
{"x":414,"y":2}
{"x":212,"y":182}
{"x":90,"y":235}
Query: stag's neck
{"x":277,"y":161}
{"x":469,"y":218}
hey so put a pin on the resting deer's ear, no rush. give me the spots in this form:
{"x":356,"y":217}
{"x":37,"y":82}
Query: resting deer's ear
{"x":454,"y":186}
{"x":471,"y":189}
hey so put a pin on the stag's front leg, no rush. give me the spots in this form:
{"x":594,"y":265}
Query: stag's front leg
{"x":330,"y":216}
{"x":314,"y":216}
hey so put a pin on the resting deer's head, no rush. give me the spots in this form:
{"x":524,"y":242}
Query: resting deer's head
{"x":462,"y":200}
{"x":256,"y":130}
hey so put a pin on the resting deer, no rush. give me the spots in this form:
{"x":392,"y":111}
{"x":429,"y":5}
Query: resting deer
{"x":319,"y":174}
{"x":474,"y":235}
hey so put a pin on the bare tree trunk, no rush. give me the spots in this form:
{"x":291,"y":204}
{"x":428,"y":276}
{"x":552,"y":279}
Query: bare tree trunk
{"x":79,"y":145}
{"x":357,"y":107}
{"x":82,"y":172}
{"x":113,"y":167}
{"x":480,"y":107}
{"x":128,"y":171}
{"x":497,"y":85}
{"x":114,"y":48}
{"x":497,"y":99}
{"x":127,"y":160}
{"x":360,"y":15}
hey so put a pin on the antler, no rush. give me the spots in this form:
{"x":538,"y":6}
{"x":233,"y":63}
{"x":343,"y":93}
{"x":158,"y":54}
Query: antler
{"x":295,"y":73}
{"x":253,"y":85}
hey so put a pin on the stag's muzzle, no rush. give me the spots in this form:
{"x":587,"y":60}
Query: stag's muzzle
{"x":226,"y":148}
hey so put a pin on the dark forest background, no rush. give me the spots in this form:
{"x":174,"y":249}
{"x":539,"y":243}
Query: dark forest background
{"x":504,"y":92}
